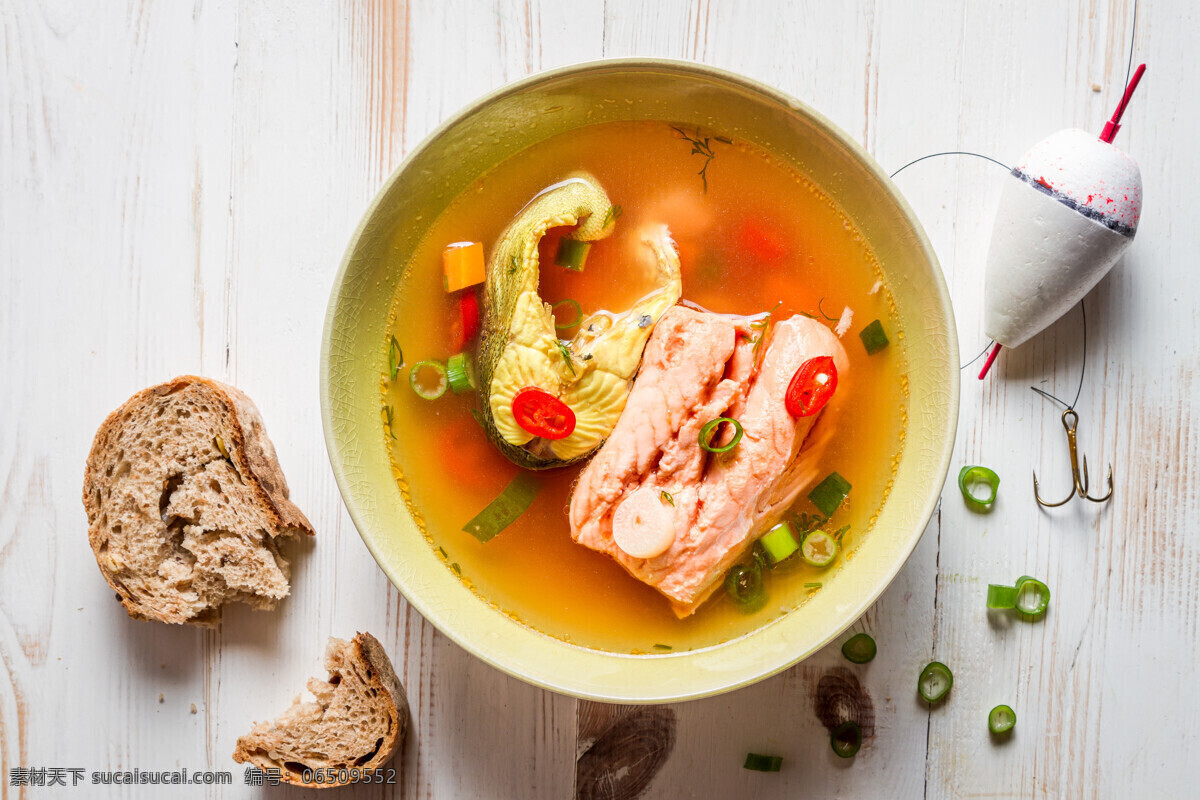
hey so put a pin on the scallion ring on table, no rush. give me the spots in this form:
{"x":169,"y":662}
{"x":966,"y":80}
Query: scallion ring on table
{"x":576,"y":314}
{"x":710,"y":429}
{"x":859,"y":648}
{"x":972,"y":476}
{"x":761,"y":763}
{"x":1028,"y":596}
{"x":1001,"y":719}
{"x":460,"y":371}
{"x":846,"y":739}
{"x":934,"y":682}
{"x":423,"y":391}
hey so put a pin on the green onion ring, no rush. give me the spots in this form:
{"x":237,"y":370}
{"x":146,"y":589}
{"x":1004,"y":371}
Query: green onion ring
{"x":779,"y":543}
{"x":429,"y":394}
{"x":706,"y":434}
{"x":973,"y":475}
{"x":1001,"y":719}
{"x":1033,"y":596}
{"x":846,"y":739}
{"x":1029,"y":597}
{"x":578,"y":318}
{"x":761,"y":763}
{"x":815,"y":558}
{"x":859,"y":648}
{"x":934,"y":682}
{"x":744,"y":584}
{"x":460,"y":371}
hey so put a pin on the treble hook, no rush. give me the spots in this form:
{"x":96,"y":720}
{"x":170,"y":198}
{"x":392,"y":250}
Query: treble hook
{"x":1070,"y":419}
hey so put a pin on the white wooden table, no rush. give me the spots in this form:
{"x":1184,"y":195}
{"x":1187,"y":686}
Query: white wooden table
{"x":179,"y":181}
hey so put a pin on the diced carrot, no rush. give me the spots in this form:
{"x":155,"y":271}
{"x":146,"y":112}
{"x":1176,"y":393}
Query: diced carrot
{"x":761,"y":242}
{"x":462,"y":265}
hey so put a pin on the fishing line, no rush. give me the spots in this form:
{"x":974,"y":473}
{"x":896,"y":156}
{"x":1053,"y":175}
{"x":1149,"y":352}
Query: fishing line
{"x":956,"y":153}
{"x":1082,"y":369}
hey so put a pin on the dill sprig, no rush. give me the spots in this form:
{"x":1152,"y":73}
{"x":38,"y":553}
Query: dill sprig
{"x":388,"y":417}
{"x":823,"y":314}
{"x":566,"y":354}
{"x":612,"y":215}
{"x":761,"y":325}
{"x":702,"y":147}
{"x":666,"y":496}
{"x":395,"y":358}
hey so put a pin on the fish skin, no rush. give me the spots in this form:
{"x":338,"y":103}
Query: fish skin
{"x":519,"y":347}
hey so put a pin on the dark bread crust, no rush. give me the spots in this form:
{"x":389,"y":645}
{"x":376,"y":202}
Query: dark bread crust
{"x":250,"y":451}
{"x":379,"y":678}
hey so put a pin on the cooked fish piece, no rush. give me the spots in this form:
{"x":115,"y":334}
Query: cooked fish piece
{"x":520,"y":349}
{"x":699,"y":366}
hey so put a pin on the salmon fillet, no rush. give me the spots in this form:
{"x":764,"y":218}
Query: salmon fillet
{"x":698,"y":366}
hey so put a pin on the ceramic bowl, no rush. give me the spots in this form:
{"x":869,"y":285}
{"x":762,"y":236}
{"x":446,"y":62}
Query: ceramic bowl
{"x":354,"y":356}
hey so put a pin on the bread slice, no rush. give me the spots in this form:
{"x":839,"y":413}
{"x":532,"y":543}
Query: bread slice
{"x":187,"y":505}
{"x":358,"y":721}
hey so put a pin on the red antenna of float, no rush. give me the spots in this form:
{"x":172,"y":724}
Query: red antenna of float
{"x":1110,"y":131}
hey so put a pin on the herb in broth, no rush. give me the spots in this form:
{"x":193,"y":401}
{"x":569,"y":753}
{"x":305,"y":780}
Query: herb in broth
{"x":395,"y":358}
{"x":702,"y":147}
{"x":612,"y":215}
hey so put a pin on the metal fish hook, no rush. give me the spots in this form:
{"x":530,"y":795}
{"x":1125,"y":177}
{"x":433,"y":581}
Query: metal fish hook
{"x":1070,"y":419}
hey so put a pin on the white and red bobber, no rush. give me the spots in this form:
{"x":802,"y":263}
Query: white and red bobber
{"x":1067,"y":214}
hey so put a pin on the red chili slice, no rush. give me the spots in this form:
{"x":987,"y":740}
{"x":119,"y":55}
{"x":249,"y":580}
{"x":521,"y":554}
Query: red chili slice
{"x":543,"y":414}
{"x":811,"y":387}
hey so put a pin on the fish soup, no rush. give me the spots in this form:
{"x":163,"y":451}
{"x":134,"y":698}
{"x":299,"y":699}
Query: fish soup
{"x":754,"y":238}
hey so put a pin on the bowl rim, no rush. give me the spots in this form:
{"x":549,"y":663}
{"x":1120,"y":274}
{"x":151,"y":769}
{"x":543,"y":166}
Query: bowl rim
{"x":924,"y":510}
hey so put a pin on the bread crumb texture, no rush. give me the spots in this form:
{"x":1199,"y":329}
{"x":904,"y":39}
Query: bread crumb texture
{"x":187,"y":505}
{"x":357,"y":720}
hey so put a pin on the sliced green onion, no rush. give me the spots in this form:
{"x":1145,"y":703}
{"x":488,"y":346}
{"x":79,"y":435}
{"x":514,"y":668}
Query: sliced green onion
{"x":1001,"y":596}
{"x":819,"y":549}
{"x":572,"y":253}
{"x":504,"y":510}
{"x":571,"y":305}
{"x":1033,"y":596}
{"x":829,"y":493}
{"x":873,"y":337}
{"x":859,"y":648}
{"x":744,"y":583}
{"x":846,"y":739}
{"x":666,"y":497}
{"x":395,"y":358}
{"x":761,"y":763}
{"x":971,"y":476}
{"x":1001,"y":719}
{"x":709,"y":429}
{"x":460,"y":371}
{"x":423,"y":391}
{"x":1029,"y":597}
{"x":779,"y":543}
{"x":934,"y":682}
{"x":812,"y":587}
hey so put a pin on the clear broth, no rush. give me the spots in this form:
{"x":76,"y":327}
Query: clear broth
{"x":447,"y":470}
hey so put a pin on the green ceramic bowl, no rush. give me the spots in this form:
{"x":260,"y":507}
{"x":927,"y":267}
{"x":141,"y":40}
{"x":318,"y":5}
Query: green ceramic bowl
{"x":354,"y":356}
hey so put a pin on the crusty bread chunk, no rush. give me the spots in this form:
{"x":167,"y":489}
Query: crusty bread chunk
{"x":357,"y":722}
{"x":187,"y":505}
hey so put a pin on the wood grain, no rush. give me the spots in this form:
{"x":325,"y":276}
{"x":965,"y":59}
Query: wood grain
{"x":179,"y":182}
